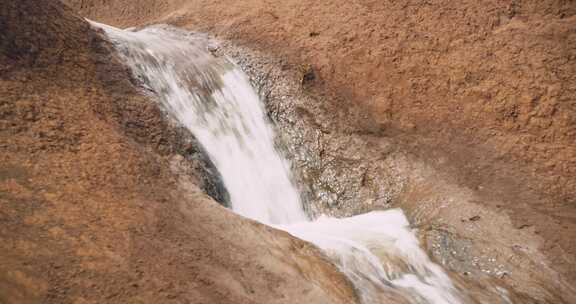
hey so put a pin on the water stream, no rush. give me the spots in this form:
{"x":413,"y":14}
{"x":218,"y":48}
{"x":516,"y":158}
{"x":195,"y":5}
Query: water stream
{"x":211,"y":96}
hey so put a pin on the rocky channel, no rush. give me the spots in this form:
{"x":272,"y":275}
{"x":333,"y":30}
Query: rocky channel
{"x":95,"y":176}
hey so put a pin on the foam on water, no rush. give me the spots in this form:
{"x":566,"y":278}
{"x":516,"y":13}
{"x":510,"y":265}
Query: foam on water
{"x":210,"y":96}
{"x":378,"y":251}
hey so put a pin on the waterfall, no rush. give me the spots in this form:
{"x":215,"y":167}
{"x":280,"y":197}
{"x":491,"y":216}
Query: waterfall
{"x":214,"y":100}
{"x":211,"y":96}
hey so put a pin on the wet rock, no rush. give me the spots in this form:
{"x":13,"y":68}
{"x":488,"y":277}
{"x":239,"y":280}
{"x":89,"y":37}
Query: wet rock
{"x":308,"y":74}
{"x":344,"y":170}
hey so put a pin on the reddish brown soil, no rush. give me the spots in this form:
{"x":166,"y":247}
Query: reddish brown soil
{"x":89,"y":210}
{"x":482,"y":90}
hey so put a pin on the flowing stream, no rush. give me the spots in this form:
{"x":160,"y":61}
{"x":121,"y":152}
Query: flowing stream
{"x":211,"y":96}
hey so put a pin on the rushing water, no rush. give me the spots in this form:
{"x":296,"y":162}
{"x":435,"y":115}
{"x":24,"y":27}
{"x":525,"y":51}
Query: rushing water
{"x":210,"y":96}
{"x":214,"y":100}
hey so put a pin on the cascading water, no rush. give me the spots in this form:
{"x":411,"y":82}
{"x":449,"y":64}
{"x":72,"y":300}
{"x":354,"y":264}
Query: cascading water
{"x":214,"y":100}
{"x":210,"y":96}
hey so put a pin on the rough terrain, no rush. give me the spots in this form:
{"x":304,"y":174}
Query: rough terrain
{"x":467,"y":110}
{"x":463,"y":113}
{"x":99,"y":195}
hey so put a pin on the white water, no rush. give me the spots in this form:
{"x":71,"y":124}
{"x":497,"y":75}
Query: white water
{"x":210,"y":96}
{"x":378,"y":251}
{"x":214,"y":100}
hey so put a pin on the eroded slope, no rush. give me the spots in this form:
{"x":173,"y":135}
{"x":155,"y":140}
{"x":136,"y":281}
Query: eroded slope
{"x":90,"y":210}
